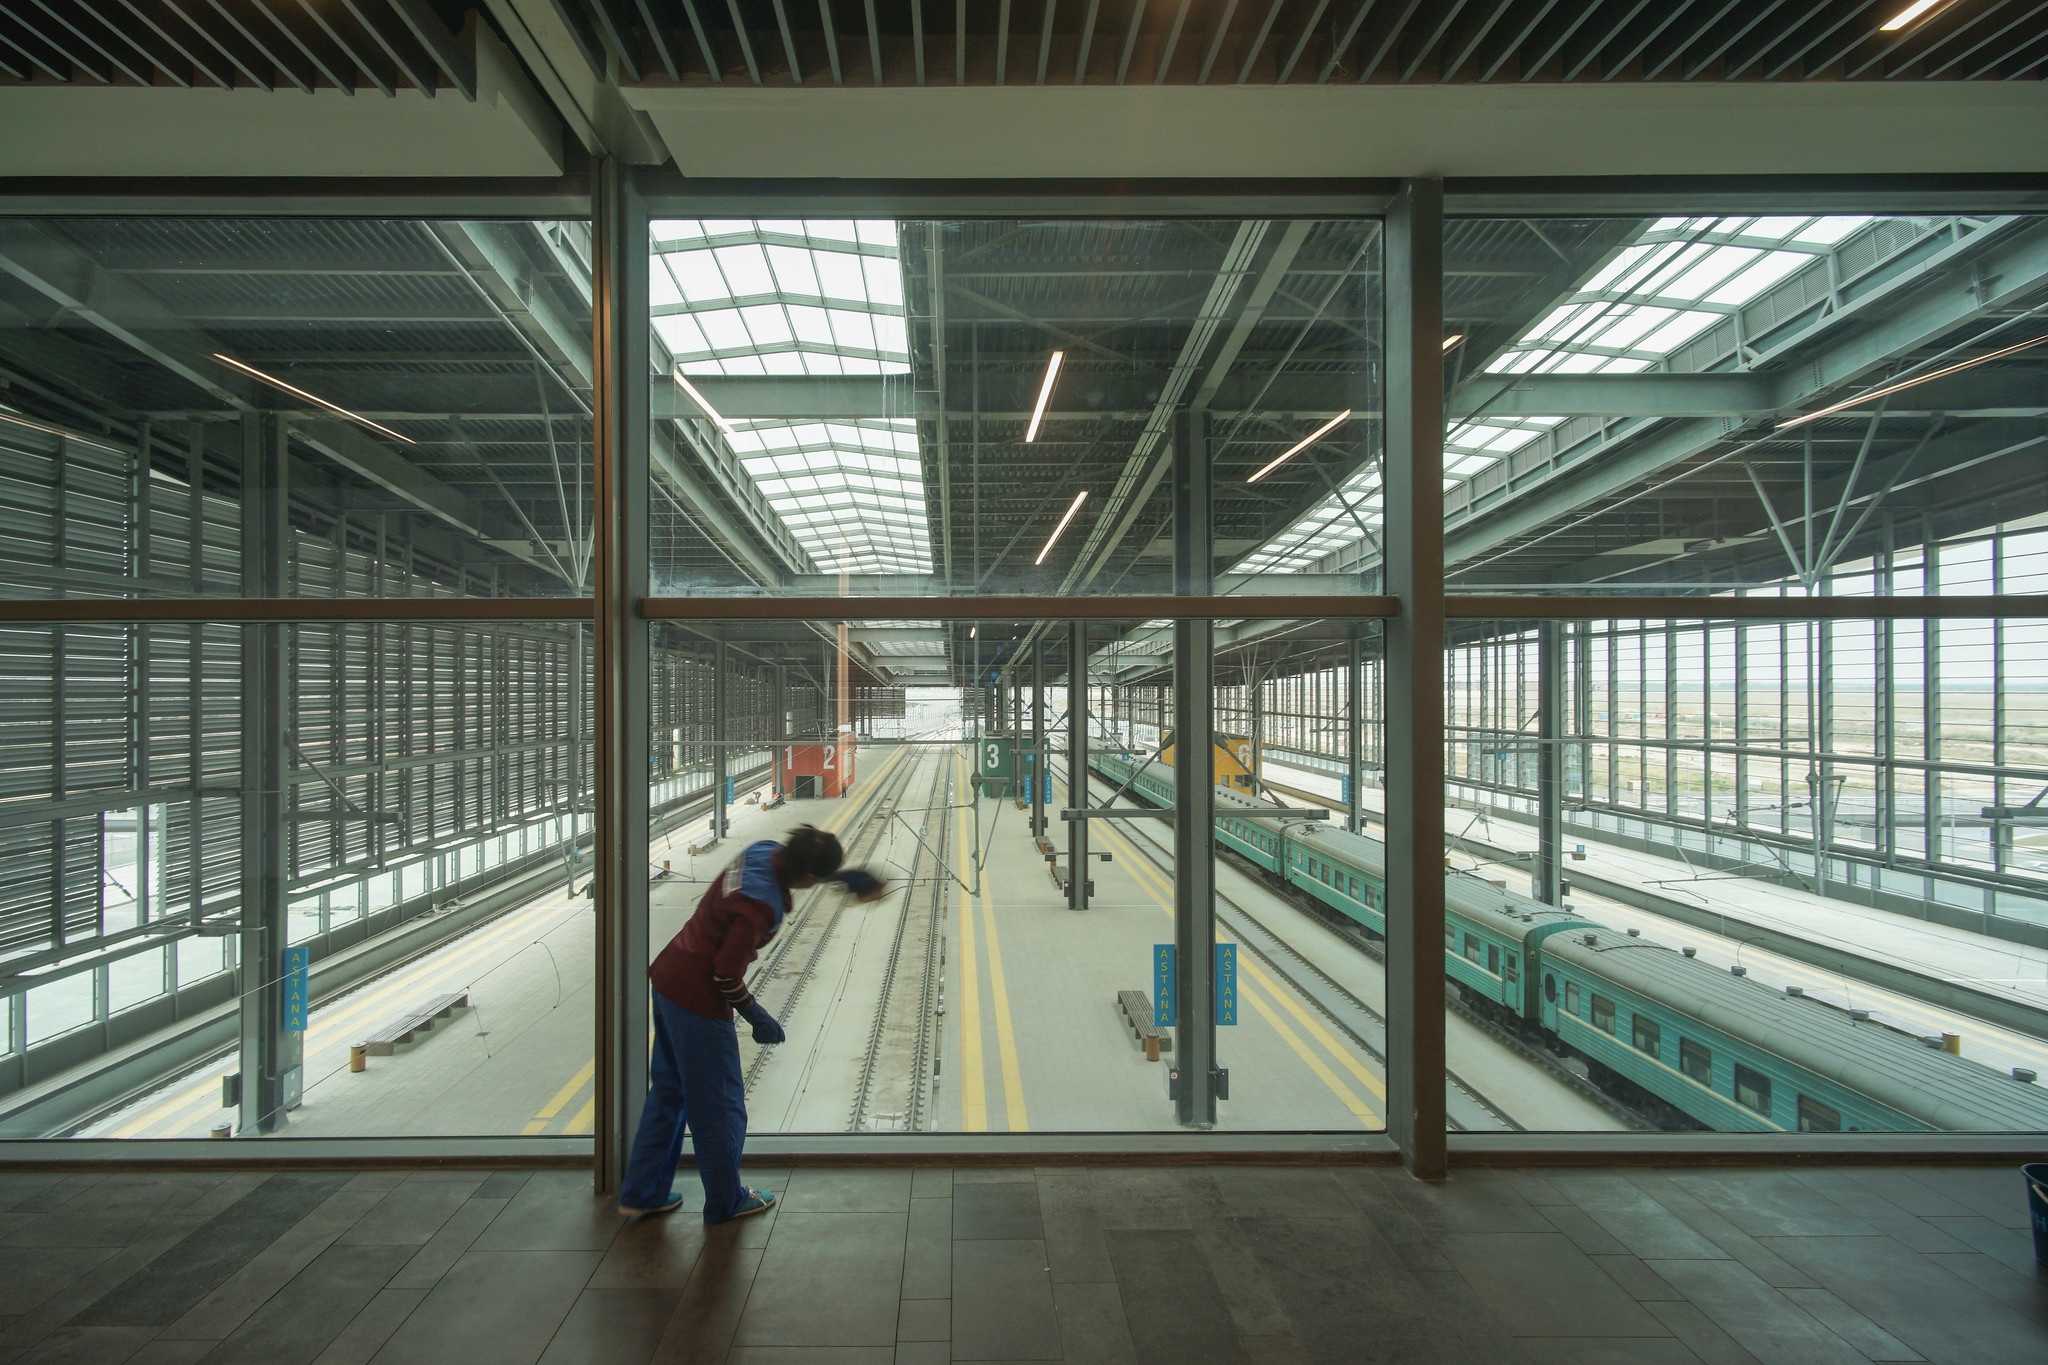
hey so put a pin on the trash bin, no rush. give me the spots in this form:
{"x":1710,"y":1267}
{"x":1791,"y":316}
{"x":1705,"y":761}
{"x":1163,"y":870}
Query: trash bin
{"x":2037,"y":1206}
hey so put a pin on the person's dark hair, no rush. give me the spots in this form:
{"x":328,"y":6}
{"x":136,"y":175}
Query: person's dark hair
{"x":811,"y":852}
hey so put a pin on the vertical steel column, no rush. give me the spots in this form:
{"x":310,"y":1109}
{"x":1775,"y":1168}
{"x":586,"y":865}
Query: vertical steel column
{"x":1039,"y":757}
{"x":270,"y":1057}
{"x":1415,"y":677}
{"x":1550,"y":762}
{"x":619,"y":307}
{"x":1077,"y":763}
{"x":721,"y":716}
{"x":1354,"y":755}
{"x":1194,"y":779}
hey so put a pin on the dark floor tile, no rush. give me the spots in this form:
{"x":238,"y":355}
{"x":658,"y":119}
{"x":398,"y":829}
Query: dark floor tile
{"x":1769,"y":1325}
{"x":1851,"y":1326}
{"x":1136,"y":1198}
{"x":1267,"y":1192}
{"x":266,"y":1273}
{"x":1997,"y":1192}
{"x":1002,"y":1301}
{"x":1172,"y":1304}
{"x":1534,"y":1186}
{"x":86,"y":1346}
{"x":1469,"y":1201}
{"x":1539,"y":1284}
{"x":928,"y":1250}
{"x":924,"y":1320}
{"x":1609,"y":1351}
{"x":1584,"y":1230}
{"x":1641,"y":1282}
{"x":827,"y":1279}
{"x":1642,"y":1225}
{"x":411,"y":1214}
{"x":655,"y":1253}
{"x":368,"y":1330}
{"x":1903,"y":1187}
{"x":818,"y":1190}
{"x":503,"y":1184}
{"x":1771,"y":1204}
{"x":931,"y":1182}
{"x":612,"y":1327}
{"x":2012,"y":1246}
{"x":993,"y":1175}
{"x":301,"y":1319}
{"x":1092,"y":1326}
{"x":1765,"y":1264}
{"x":492,"y":1308}
{"x":1874,"y":1209}
{"x":28,"y":1276}
{"x":553,"y":1211}
{"x":2023,"y":1291}
{"x":16,"y":1186}
{"x":997,"y":1213}
{"x":447,"y":1246}
{"x":1685,"y":1320}
{"x":702,"y":1326}
{"x":172,"y":1284}
{"x":924,"y":1352}
{"x":162,"y":1352}
{"x":811,"y":1355}
{"x":1909,"y":1295}
{"x":1234,"y":1261}
{"x":1074,"y":1249}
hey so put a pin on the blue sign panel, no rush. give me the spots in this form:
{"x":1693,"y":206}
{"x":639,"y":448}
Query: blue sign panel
{"x":1344,"y":790}
{"x":732,"y":790}
{"x":298,"y":988}
{"x":1165,"y":963}
{"x":1226,"y":983}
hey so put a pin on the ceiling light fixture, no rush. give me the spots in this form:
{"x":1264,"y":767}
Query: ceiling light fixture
{"x":1303,"y":444}
{"x":971,"y":630}
{"x":1866,"y":396}
{"x":277,"y":383}
{"x":1079,"y":498}
{"x":1907,"y":15}
{"x":1452,"y":341}
{"x":701,"y":401}
{"x":1052,"y":372}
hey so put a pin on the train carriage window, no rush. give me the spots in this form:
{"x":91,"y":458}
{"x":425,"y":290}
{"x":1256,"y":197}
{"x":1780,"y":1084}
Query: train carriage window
{"x":1451,"y":939}
{"x":1571,"y":997}
{"x":1493,"y":958}
{"x":1696,"y":1061}
{"x":1603,"y":1014}
{"x":1512,"y":970}
{"x":1815,"y":1117}
{"x":1472,"y":948}
{"x":1550,"y":988}
{"x":1645,"y":1034}
{"x":1753,"y":1090}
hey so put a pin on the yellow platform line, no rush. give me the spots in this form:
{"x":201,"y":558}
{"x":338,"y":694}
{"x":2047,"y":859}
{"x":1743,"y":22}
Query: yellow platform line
{"x":562,"y":1097}
{"x":1152,"y":881}
{"x":973,"y":1084}
{"x":585,"y":1120}
{"x":1014,"y":1115}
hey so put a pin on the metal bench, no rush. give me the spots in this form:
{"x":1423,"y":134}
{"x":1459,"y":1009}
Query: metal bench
{"x":394,"y":1035}
{"x":1137,"y":1009}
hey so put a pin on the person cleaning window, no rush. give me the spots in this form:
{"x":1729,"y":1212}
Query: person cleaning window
{"x":700,"y":983}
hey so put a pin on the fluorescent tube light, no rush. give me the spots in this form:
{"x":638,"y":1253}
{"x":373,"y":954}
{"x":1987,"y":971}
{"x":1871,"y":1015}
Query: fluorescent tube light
{"x":1907,"y":15}
{"x":1052,"y":372}
{"x":1452,"y":341}
{"x":277,"y":383}
{"x":1079,"y":498}
{"x":701,"y":401}
{"x":971,"y":630}
{"x":20,"y":421}
{"x":1303,"y":444}
{"x":1866,"y":396}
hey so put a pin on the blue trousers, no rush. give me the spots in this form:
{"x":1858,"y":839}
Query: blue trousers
{"x":693,"y":1080}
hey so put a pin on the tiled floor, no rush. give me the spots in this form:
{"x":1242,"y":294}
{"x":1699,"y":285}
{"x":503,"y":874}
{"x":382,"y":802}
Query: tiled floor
{"x":1166,"y":1266}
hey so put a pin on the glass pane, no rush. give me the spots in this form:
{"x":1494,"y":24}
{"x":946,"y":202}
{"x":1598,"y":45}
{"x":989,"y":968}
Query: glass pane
{"x":413,"y":832}
{"x":992,"y":988}
{"x":1782,"y":405}
{"x":1758,"y":880}
{"x":411,"y":399}
{"x":952,"y":408}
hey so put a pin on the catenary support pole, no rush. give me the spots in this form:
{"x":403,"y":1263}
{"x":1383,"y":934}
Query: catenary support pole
{"x":1077,"y":762}
{"x":1194,"y":781}
{"x":1354,"y":726}
{"x":620,"y":483}
{"x":721,"y":733}
{"x":1038,"y":754}
{"x":1549,"y":762}
{"x":1415,"y":677}
{"x":270,"y":1057}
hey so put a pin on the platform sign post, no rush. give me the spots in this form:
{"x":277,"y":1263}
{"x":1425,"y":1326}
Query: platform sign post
{"x":1226,"y":983}
{"x":297,"y":981}
{"x":1165,"y":962}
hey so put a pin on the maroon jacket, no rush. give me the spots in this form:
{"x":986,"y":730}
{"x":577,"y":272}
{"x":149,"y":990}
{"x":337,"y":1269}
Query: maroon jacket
{"x":704,"y":968}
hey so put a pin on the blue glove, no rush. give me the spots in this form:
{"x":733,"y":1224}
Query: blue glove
{"x":766,"y":1029}
{"x":864,"y":885}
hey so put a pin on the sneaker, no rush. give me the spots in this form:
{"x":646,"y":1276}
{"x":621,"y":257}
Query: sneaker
{"x":675,"y":1201}
{"x":752,"y":1202}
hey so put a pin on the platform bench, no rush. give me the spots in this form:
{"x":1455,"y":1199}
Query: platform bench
{"x":401,"y":1031}
{"x":1137,"y":1010}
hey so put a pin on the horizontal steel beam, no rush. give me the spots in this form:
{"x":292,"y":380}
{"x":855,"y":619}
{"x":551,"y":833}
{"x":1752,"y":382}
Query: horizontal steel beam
{"x":1020,"y":608}
{"x":1166,"y":813}
{"x":1611,"y":395}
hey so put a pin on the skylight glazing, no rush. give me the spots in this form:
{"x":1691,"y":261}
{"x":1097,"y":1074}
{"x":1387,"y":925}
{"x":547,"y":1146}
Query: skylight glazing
{"x":1678,"y":278}
{"x":809,"y":297}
